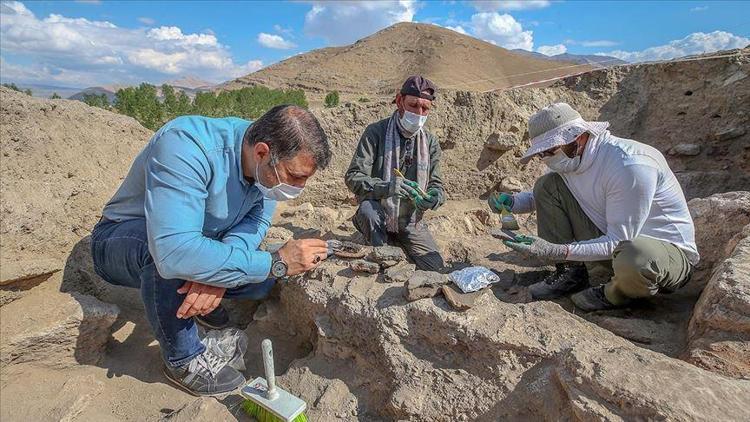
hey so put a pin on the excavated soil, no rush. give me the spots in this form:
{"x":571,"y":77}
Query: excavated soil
{"x":350,"y":344}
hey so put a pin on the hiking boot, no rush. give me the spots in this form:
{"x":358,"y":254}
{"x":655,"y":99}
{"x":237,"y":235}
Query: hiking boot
{"x":592,"y":299}
{"x":218,"y":319}
{"x":565,"y":280}
{"x":206,"y":375}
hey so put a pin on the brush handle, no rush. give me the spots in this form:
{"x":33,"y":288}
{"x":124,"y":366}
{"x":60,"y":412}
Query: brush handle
{"x":272,"y":394}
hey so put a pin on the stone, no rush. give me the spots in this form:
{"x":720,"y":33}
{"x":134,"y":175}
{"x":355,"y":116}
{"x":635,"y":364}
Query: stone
{"x":511,"y":184}
{"x":399,"y":273}
{"x":459,"y":300}
{"x":55,"y":329}
{"x":501,"y":142}
{"x":203,"y":409}
{"x":714,"y":239}
{"x":386,"y":256}
{"x":22,"y":275}
{"x":719,"y":330}
{"x":685,"y":149}
{"x":360,"y":265}
{"x":424,"y":284}
{"x":730,"y":134}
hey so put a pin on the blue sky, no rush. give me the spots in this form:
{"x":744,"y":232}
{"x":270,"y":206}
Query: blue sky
{"x":84,"y":43}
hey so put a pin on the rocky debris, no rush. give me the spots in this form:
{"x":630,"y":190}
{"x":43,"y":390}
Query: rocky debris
{"x":498,"y":361}
{"x":501,"y":142}
{"x":23,"y":275}
{"x":730,"y":134}
{"x":685,"y":149}
{"x":51,"y":197}
{"x":719,"y":331}
{"x":459,"y":300}
{"x":511,"y":184}
{"x":57,"y":330}
{"x":387,"y":256}
{"x":204,"y":409}
{"x":399,"y":273}
{"x":360,"y":265}
{"x":424,"y":284}
{"x":718,"y":219}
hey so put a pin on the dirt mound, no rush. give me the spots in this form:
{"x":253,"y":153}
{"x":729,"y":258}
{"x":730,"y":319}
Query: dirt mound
{"x":61,"y":161}
{"x":379,"y":64}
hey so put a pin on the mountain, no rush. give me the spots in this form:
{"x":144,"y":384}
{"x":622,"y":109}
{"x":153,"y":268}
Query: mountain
{"x":596,"y":61}
{"x":379,"y":63}
{"x":190,"y":82}
{"x":46,"y":91}
{"x":189,"y":85}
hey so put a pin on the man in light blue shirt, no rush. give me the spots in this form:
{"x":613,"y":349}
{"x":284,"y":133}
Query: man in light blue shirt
{"x":186,"y":224}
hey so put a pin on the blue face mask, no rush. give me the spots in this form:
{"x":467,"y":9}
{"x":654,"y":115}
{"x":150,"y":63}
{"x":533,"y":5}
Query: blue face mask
{"x":412,"y":122}
{"x":280,"y":192}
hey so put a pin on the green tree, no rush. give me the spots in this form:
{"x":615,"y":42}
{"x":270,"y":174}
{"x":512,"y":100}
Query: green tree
{"x":169,"y":102}
{"x":12,"y":86}
{"x":27,"y":92}
{"x":54,"y":96}
{"x":332,"y":99}
{"x":95,"y":100}
{"x":184,"y":106}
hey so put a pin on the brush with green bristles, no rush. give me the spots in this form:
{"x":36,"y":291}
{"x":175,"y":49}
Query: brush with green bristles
{"x":268,"y":403}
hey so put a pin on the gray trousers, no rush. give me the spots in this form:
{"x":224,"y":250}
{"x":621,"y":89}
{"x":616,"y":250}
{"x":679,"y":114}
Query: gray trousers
{"x":415,"y":239}
{"x":640,"y":267}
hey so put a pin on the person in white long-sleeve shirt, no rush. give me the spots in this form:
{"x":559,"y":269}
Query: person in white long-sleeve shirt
{"x":605,"y":199}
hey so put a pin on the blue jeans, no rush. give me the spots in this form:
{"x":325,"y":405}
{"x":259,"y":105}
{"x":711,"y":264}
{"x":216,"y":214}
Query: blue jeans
{"x":121,"y":257}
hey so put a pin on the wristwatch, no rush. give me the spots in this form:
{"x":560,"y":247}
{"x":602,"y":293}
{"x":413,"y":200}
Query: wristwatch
{"x":278,"y":266}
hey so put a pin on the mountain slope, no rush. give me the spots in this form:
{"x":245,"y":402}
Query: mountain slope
{"x":379,"y":63}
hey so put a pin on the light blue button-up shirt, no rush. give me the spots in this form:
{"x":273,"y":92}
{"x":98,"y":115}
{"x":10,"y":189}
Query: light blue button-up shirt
{"x":205,"y":222}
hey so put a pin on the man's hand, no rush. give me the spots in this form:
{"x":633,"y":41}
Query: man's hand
{"x":540,"y":248}
{"x":399,"y":187}
{"x":303,"y":255}
{"x":497,"y":201}
{"x":201,"y":299}
{"x":430,"y":202}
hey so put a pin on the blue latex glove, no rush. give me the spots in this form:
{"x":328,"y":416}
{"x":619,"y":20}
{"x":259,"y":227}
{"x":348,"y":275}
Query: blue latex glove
{"x":498,"y":200}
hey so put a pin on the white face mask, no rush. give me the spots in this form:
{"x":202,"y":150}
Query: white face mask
{"x":412,"y":122}
{"x":280,"y":192}
{"x":561,"y":163}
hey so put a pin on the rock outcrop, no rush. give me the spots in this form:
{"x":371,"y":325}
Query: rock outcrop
{"x":378,"y":357}
{"x":58,"y":330}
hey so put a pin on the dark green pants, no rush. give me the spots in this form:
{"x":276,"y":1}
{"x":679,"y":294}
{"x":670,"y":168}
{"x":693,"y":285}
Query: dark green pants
{"x":640,"y":267}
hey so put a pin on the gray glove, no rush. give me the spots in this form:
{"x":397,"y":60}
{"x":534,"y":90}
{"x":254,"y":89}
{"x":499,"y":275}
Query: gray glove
{"x":540,"y":248}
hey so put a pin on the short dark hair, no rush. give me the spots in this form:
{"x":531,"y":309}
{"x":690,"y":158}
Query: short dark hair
{"x":289,"y":129}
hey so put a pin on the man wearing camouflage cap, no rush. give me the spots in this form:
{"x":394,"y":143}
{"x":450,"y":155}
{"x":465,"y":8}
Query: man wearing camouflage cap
{"x":605,"y":199}
{"x":395,"y":174}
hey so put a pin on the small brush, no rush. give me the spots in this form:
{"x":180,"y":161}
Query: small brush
{"x":416,"y":187}
{"x":268,"y":403}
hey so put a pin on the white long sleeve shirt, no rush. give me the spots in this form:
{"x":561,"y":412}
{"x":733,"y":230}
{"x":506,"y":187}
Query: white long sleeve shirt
{"x":627,"y":190}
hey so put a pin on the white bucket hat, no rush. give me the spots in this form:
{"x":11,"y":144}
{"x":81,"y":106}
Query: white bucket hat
{"x":555,"y":125}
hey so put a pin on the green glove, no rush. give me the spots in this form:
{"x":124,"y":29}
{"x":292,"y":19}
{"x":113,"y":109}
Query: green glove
{"x":429,"y":202}
{"x":399,"y":187}
{"x":497,"y":201}
{"x":539,"y":248}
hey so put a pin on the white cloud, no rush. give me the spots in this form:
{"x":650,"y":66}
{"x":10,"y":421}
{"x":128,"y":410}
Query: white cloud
{"x":699,"y":9}
{"x":496,"y":5}
{"x":83,"y":52}
{"x":146,"y":20}
{"x":275,"y":41}
{"x":695,"y":43}
{"x":502,"y":30}
{"x":344,"y":22}
{"x":458,"y":29}
{"x":552,"y":50}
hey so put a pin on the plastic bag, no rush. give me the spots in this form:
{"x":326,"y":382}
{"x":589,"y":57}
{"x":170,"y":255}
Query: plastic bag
{"x":230,"y":344}
{"x":472,"y":279}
